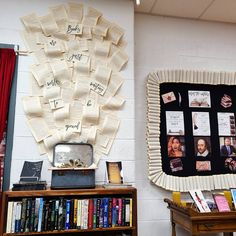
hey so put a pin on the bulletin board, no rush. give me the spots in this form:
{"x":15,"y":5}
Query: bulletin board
{"x":191,"y":132}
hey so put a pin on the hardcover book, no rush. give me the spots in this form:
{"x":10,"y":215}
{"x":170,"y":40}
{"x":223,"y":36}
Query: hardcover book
{"x":221,"y":202}
{"x":199,"y":200}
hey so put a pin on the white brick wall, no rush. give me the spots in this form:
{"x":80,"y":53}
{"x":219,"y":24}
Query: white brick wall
{"x":161,"y":43}
{"x":24,"y":148}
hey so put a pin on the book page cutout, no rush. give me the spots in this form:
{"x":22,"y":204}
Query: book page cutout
{"x":32,"y":106}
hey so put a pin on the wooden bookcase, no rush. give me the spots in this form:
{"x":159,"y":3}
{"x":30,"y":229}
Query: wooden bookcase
{"x":98,"y":192}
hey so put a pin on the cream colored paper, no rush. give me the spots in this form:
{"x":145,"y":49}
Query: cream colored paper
{"x":102,"y":27}
{"x":103,"y":74}
{"x":75,"y":11}
{"x":110,"y":126}
{"x":35,"y":89}
{"x":48,"y":24}
{"x":90,"y":115}
{"x":62,"y":113}
{"x":74,"y":56}
{"x":92,"y":134}
{"x":97,"y":87}
{"x":56,"y":103}
{"x":38,"y":133}
{"x":52,"y":82}
{"x":52,"y":140}
{"x":52,"y":92}
{"x":102,"y":49}
{"x":60,"y":70}
{"x":60,"y":16}
{"x":67,"y":94}
{"x":74,"y":28}
{"x":72,"y":45}
{"x":115,"y":33}
{"x":89,"y":21}
{"x":93,"y":13}
{"x":81,"y":90}
{"x":53,"y":47}
{"x":30,"y":42}
{"x":31,"y":23}
{"x":32,"y":106}
{"x":87,"y":34}
{"x":81,"y":68}
{"x":40,"y":57}
{"x":118,"y":60}
{"x":83,"y":45}
{"x":115,"y":83}
{"x":114,"y":103}
{"x":41,"y":72}
{"x":73,"y":126}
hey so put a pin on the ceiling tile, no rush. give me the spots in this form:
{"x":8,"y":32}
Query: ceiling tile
{"x":181,"y":8}
{"x":221,"y":10}
{"x":145,"y":6}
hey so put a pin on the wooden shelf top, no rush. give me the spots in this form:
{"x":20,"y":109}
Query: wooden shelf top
{"x":98,"y":190}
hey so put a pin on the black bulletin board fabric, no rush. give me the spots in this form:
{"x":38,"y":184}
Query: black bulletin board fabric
{"x":217,"y":161}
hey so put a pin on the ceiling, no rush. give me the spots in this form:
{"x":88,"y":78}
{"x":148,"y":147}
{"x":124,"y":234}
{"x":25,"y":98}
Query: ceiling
{"x":211,"y":10}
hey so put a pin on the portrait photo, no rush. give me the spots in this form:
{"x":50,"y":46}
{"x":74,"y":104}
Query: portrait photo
{"x":202,"y":146}
{"x":176,"y":146}
{"x":227,"y":146}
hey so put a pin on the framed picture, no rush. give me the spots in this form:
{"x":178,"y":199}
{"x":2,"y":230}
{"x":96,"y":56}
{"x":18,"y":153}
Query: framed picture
{"x":114,"y":172}
{"x":190,"y":117}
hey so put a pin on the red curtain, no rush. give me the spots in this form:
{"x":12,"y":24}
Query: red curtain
{"x":7,"y":67}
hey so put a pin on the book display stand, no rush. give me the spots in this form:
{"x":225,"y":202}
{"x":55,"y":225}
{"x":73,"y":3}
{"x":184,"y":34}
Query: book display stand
{"x":201,"y":223}
{"x":120,"y":203}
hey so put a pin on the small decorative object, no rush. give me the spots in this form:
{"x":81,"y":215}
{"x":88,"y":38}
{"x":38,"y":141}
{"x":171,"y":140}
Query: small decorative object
{"x":73,"y":166}
{"x":228,"y":196}
{"x":199,"y":200}
{"x":176,"y":197}
{"x":30,"y":177}
{"x":221,"y":202}
{"x":114,"y":172}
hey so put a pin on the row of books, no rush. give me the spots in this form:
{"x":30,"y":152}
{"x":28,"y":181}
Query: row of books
{"x":39,"y":214}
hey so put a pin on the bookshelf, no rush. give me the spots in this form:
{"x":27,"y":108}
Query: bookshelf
{"x":129,"y":195}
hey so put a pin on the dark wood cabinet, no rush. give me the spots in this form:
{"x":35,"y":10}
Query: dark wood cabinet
{"x":98,"y":192}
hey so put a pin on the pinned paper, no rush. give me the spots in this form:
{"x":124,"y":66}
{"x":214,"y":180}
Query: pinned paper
{"x":90,"y":115}
{"x":103,"y":74}
{"x":53,"y":47}
{"x":83,"y":45}
{"x":62,"y":113}
{"x":52,"y":92}
{"x":114,"y":84}
{"x":56,"y":103}
{"x":110,"y":126}
{"x":92,"y":134}
{"x":52,"y":140}
{"x":60,"y":15}
{"x":48,"y":24}
{"x":74,"y":28}
{"x":102,"y":49}
{"x":60,"y":70}
{"x":97,"y":87}
{"x":102,"y":27}
{"x":32,"y":106}
{"x":118,"y":60}
{"x":73,"y":126}
{"x":41,"y":73}
{"x":77,"y":57}
{"x":114,"y":103}
{"x":75,"y":11}
{"x":93,"y":13}
{"x":39,"y":133}
{"x":115,"y":33}
{"x":31,"y":23}
{"x":82,"y":68}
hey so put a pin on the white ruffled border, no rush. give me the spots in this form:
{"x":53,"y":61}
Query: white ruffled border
{"x":156,"y":175}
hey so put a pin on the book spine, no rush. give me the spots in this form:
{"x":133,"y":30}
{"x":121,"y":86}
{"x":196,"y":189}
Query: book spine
{"x":46,"y":216}
{"x":79,"y":212}
{"x":56,"y":214}
{"x":67,"y":225}
{"x":23,"y":214}
{"x":18,"y":217}
{"x":94,"y":212}
{"x":60,"y":214}
{"x":114,"y":215}
{"x":72,"y":213}
{"x":41,"y":204}
{"x":85,"y":213}
{"x":28,"y":215}
{"x":98,"y":212}
{"x":36,"y":213}
{"x":90,"y":214}
{"x":13,"y":217}
{"x":119,"y":211}
{"x":32,"y":217}
{"x":110,"y":212}
{"x":9,"y":216}
{"x":101,"y":215}
{"x":75,"y":213}
{"x":105,"y":216}
{"x":123,"y":212}
{"x":52,"y":220}
{"x":127,"y":212}
{"x":131,"y":212}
